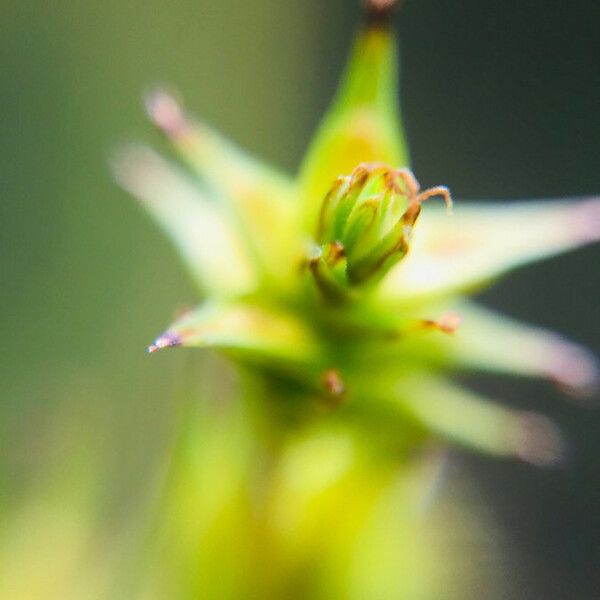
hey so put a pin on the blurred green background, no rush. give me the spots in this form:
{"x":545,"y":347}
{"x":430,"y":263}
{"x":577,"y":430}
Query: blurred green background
{"x":500,"y":100}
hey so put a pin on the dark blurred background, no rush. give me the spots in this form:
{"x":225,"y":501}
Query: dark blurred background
{"x":501,"y":101}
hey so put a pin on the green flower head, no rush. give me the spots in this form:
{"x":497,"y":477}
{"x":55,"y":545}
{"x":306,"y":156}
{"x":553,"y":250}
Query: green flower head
{"x":342,"y":283}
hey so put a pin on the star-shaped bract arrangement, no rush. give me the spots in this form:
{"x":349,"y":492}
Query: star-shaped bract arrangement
{"x":341,"y":284}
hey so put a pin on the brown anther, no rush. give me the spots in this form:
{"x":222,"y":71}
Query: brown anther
{"x":361,"y":173}
{"x":411,"y":214}
{"x":412,"y":188}
{"x":415,"y":199}
{"x":439,"y":190}
{"x":332,"y":381}
{"x":447,"y":323}
{"x":411,"y":184}
{"x":337,"y":184}
{"x":335,"y":253}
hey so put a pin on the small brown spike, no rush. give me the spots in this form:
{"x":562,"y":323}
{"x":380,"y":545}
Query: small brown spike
{"x":378,"y":12}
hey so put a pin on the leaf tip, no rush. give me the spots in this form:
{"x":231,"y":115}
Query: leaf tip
{"x":166,"y":340}
{"x":165,"y":111}
{"x":139,"y":170}
{"x":538,"y":440}
{"x":378,"y":12}
{"x":586,"y":220}
{"x":574,"y":370}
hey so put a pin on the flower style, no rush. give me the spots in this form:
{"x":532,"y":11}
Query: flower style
{"x":341,"y":284}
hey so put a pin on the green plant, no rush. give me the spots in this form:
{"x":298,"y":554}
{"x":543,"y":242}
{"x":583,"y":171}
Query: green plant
{"x":343,"y":300}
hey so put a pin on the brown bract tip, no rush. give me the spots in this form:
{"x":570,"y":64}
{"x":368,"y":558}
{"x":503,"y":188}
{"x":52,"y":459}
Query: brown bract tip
{"x":360,"y":174}
{"x":335,"y":253}
{"x":333,"y":383}
{"x":378,"y":12}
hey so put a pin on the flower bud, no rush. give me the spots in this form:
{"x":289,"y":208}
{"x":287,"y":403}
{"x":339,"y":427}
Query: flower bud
{"x":366,"y":221}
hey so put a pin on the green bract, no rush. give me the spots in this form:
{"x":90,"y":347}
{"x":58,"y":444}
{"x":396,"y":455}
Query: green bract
{"x":340,"y":290}
{"x":365,"y":226}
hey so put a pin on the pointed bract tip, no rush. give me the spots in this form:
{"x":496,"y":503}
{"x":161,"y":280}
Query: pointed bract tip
{"x":574,"y":370}
{"x":538,"y":440}
{"x":131,"y":166}
{"x":167,"y":340}
{"x":165,"y":111}
{"x":586,"y":220}
{"x":378,"y":11}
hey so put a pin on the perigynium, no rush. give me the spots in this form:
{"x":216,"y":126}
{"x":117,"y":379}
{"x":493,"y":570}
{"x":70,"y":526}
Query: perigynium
{"x":342,"y":295}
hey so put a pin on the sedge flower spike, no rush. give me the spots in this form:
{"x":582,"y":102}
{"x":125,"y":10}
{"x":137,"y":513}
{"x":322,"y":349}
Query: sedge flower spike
{"x":343,"y":283}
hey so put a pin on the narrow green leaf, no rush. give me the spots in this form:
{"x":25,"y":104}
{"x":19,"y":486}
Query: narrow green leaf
{"x":256,"y":334}
{"x":261,"y":199}
{"x":491,"y":342}
{"x":479,"y":242}
{"x":204,"y":237}
{"x":476,"y":422}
